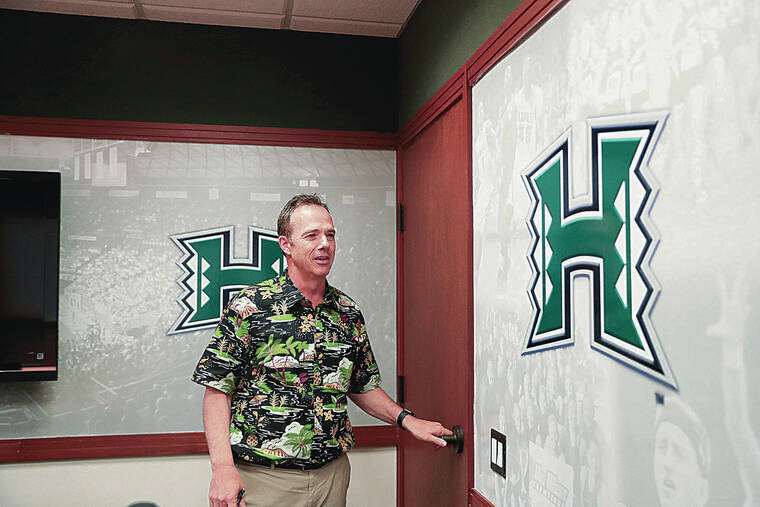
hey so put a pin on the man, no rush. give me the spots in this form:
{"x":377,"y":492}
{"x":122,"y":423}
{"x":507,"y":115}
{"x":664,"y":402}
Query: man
{"x":681,"y":455}
{"x":278,"y":369}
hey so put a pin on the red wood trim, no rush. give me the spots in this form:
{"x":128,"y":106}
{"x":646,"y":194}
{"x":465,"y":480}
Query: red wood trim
{"x":523,"y":21}
{"x":106,"y":446}
{"x":157,"y":444}
{"x":478,"y":500}
{"x":377,"y":436}
{"x":194,"y":133}
{"x":449,"y":93}
{"x":469,"y":430}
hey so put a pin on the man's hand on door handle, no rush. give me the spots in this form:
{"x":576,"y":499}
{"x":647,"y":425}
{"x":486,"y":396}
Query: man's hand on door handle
{"x":427,"y":431}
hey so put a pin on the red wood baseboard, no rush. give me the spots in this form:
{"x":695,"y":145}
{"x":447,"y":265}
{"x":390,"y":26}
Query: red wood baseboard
{"x":478,"y":500}
{"x":157,"y":444}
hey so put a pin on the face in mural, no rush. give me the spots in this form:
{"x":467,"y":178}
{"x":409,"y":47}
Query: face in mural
{"x":311,"y":245}
{"x":677,"y":474}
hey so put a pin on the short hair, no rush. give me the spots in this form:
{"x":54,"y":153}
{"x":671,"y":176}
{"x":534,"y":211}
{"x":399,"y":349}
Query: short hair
{"x":677,"y":412}
{"x":283,"y":220}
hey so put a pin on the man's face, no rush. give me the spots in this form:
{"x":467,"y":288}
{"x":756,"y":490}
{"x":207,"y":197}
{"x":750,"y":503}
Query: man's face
{"x":676,"y":471}
{"x":311,"y":245}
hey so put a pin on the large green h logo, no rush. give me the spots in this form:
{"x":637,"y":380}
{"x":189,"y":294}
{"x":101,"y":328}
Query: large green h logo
{"x":603,"y":236}
{"x":211,"y":276}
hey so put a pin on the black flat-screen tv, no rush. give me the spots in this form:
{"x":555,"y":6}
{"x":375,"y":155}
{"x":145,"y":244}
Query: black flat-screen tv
{"x":30,"y":224}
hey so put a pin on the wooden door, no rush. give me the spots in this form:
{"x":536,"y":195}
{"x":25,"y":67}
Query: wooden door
{"x":436,"y":274}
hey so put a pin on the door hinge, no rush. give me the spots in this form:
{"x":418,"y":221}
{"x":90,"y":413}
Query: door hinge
{"x":400,"y":389}
{"x":400,"y":217}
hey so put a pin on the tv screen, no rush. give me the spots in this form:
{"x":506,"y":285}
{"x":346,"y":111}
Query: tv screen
{"x":30,"y":217}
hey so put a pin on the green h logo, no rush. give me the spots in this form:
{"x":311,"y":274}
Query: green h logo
{"x":603,"y":236}
{"x":211,"y":277}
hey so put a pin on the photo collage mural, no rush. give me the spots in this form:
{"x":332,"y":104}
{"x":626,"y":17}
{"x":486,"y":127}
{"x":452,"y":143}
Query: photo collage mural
{"x":136,"y":219}
{"x":615,"y":258}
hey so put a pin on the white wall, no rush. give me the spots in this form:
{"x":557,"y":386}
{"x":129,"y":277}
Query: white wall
{"x":180,"y":481}
{"x":579,"y":423}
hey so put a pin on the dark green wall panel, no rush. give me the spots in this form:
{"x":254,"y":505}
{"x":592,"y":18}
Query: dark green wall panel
{"x":114,"y":69}
{"x":439,"y":39}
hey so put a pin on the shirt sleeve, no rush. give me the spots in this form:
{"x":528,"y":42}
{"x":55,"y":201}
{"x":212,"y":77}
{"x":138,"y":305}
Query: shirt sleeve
{"x":366,"y":374}
{"x":219,"y":366}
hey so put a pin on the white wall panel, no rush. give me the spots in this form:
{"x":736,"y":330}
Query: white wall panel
{"x":584,"y":428}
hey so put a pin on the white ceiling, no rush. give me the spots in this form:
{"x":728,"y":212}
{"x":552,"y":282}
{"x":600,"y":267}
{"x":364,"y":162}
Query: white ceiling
{"x":378,"y":18}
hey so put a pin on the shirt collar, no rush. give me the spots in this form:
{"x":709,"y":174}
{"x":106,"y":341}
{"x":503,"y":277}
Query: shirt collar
{"x":292,"y":296}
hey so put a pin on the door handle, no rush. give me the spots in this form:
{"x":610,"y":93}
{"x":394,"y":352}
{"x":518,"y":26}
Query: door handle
{"x":456,"y":441}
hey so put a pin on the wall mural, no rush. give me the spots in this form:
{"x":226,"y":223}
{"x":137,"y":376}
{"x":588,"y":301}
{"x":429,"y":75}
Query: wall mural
{"x":154,"y":238}
{"x":614,"y":203}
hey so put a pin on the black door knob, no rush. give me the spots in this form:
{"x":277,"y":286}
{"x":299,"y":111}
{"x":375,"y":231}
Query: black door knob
{"x":456,"y":441}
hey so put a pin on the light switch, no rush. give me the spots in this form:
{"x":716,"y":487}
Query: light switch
{"x":499,"y":453}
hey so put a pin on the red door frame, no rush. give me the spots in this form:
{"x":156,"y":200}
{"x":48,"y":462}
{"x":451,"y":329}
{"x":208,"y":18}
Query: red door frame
{"x":446,"y":142}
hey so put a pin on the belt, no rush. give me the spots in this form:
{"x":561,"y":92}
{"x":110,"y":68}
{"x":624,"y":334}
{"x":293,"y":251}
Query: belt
{"x":294,"y":466}
{"x":285,"y":465}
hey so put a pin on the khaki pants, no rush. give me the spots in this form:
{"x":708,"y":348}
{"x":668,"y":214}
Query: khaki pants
{"x":321,"y":487}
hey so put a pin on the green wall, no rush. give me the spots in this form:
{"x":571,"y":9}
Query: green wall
{"x":115,"y":69}
{"x":438,"y":40}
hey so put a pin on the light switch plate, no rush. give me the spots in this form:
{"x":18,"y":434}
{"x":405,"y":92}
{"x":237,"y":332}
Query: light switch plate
{"x":499,"y":453}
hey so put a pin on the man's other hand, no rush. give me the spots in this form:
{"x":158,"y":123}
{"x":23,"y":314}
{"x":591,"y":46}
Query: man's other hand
{"x":225,"y":486}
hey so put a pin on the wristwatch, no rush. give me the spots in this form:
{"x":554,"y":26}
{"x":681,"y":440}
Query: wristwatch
{"x":404,"y":412}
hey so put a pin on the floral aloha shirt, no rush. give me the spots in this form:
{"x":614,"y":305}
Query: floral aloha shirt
{"x":288,"y":368}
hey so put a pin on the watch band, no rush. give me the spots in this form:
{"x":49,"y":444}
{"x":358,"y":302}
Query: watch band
{"x":404,"y":412}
